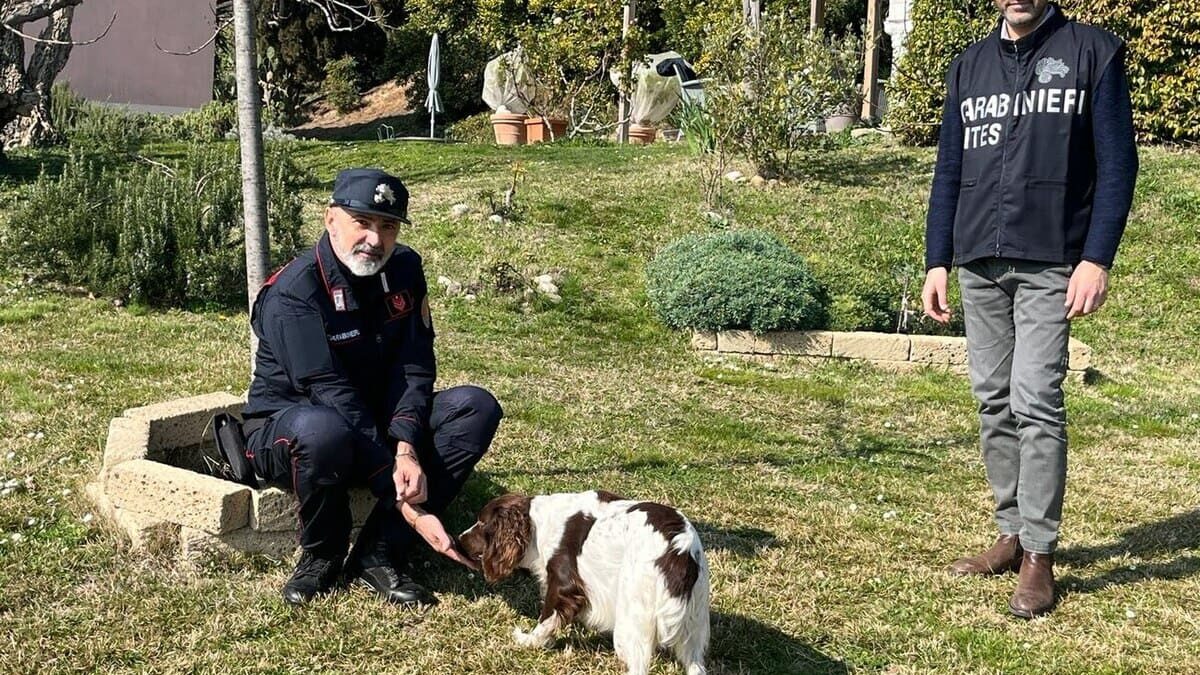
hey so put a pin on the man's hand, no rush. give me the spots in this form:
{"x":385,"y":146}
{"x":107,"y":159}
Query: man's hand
{"x":434,"y":533}
{"x":934,"y":299}
{"x":407,"y":474}
{"x":1087,"y":289}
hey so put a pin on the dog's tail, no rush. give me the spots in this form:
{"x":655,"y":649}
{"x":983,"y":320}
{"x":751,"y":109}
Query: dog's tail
{"x":683,"y":621}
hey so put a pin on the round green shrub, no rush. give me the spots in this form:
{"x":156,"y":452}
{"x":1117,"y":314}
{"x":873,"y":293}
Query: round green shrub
{"x":735,"y":279}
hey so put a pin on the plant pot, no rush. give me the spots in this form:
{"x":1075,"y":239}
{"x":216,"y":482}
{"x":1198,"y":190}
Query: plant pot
{"x":536,"y":131}
{"x":642,"y":135}
{"x":840,"y":122}
{"x":509,"y":128}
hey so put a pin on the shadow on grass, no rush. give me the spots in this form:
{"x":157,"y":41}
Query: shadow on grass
{"x":858,"y":169}
{"x":745,"y":542}
{"x":744,"y":645}
{"x":1177,"y":533}
{"x":739,"y":644}
{"x":22,"y":169}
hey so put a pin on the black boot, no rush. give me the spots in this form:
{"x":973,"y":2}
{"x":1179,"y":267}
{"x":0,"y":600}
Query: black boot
{"x":384,"y":578}
{"x":314,"y":575}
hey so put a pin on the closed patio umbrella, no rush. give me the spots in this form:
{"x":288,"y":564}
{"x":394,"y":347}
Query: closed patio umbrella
{"x":433,"y":103}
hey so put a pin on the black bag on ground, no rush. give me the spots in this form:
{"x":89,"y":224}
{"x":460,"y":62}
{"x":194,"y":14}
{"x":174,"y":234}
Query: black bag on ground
{"x":227,"y":431}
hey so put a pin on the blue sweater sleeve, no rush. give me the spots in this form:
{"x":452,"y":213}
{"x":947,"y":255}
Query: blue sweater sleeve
{"x":947,"y":174}
{"x":1116,"y":163}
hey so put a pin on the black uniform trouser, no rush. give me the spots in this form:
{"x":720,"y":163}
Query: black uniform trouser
{"x":312,"y":451}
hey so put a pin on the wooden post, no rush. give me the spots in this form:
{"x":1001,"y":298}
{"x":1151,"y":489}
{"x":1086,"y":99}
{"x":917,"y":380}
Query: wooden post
{"x":816,"y":17}
{"x":629,"y":14}
{"x":870,"y":107}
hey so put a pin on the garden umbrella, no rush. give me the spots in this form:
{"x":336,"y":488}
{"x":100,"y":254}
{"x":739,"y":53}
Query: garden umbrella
{"x":433,"y":103}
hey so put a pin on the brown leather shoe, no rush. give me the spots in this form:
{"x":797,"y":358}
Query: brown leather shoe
{"x":1003,"y":556}
{"x":1035,"y":586}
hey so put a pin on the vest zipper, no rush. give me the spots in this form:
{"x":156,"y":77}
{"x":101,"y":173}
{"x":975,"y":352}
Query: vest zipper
{"x":1019,"y":77}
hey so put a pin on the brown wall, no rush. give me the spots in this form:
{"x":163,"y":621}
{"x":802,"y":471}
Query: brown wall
{"x":126,"y":67}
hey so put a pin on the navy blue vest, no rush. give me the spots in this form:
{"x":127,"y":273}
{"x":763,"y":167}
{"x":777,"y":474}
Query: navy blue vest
{"x":1028,"y":163}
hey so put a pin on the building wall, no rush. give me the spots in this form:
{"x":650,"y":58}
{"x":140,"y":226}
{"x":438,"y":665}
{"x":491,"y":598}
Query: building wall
{"x":126,"y":67}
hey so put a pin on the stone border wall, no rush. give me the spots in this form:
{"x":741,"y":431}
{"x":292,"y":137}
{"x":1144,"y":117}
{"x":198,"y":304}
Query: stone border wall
{"x":893,"y":351}
{"x":164,"y":508}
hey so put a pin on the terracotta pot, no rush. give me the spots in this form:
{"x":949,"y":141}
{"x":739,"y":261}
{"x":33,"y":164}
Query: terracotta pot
{"x":641,"y":135}
{"x":509,"y":128}
{"x":536,"y":131}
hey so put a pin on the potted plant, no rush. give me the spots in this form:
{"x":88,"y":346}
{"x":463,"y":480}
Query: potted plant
{"x":506,"y":87}
{"x":540,"y":128}
{"x":845,"y":63}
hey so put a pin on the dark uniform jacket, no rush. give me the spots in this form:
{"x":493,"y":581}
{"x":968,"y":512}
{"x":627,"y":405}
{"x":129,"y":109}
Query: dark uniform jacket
{"x":1028,"y":174}
{"x":360,"y":345}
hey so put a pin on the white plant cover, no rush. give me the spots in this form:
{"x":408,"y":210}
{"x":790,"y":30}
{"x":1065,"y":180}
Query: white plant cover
{"x":506,"y":86}
{"x":654,"y":96}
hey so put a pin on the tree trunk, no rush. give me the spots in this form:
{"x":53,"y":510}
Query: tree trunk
{"x":37,"y":126}
{"x":18,"y":94}
{"x":254,"y":194}
{"x":15,"y":98}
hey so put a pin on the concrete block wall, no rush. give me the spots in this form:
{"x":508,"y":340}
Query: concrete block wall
{"x":892,"y":351}
{"x":163,"y":507}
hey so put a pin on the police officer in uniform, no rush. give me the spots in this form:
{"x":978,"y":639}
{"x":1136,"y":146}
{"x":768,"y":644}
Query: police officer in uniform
{"x":343,"y":395}
{"x":1031,"y":193}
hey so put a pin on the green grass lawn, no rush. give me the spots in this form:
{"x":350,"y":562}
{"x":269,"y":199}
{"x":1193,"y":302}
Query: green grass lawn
{"x":830,"y":497}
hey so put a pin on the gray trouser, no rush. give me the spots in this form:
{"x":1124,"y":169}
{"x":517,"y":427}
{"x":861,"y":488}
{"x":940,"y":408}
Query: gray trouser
{"x":1017,"y":333}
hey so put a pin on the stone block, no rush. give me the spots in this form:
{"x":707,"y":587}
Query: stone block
{"x":797,"y":343}
{"x":198,"y":545}
{"x":179,"y":496}
{"x":1079,"y":355}
{"x":128,"y":439}
{"x":871,"y":346}
{"x":183,"y":422}
{"x":273,"y":510}
{"x":937,"y":350}
{"x":738,"y":342}
{"x":146,"y":533}
{"x":704,"y":340}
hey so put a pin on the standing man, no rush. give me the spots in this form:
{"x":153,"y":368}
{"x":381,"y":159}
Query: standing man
{"x":343,"y":395}
{"x":1034,"y":181}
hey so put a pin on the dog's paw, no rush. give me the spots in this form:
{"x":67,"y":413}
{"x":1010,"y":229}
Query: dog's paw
{"x":530,"y":640}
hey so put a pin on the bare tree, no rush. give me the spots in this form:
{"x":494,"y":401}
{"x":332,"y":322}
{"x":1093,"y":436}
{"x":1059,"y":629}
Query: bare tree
{"x":340,"y":16}
{"x":25,"y":92}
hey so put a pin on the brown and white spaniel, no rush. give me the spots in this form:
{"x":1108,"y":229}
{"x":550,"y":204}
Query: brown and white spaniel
{"x":634,"y":568}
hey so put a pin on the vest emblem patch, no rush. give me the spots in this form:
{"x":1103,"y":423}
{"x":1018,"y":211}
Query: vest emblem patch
{"x":1049,"y":67}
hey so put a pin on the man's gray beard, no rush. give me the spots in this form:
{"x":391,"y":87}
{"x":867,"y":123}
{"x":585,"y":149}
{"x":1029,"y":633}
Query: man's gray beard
{"x":363,"y":268}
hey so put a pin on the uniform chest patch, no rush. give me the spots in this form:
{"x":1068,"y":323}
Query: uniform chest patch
{"x":1048,"y":68}
{"x":398,"y":304}
{"x":347,"y":336}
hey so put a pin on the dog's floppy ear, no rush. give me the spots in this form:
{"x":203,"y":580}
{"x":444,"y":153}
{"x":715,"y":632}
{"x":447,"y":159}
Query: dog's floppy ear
{"x":508,"y":532}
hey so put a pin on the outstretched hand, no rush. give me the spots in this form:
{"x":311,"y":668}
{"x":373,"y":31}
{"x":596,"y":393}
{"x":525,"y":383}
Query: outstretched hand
{"x":434,"y":533}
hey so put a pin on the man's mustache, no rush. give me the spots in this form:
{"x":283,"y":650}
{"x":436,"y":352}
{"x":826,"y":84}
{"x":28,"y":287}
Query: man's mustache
{"x":368,"y":249}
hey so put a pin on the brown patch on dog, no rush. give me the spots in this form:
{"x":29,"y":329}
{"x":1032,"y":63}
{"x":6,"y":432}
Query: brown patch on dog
{"x":565,"y":593}
{"x":605,"y":496}
{"x":500,"y":536}
{"x":679,"y":569}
